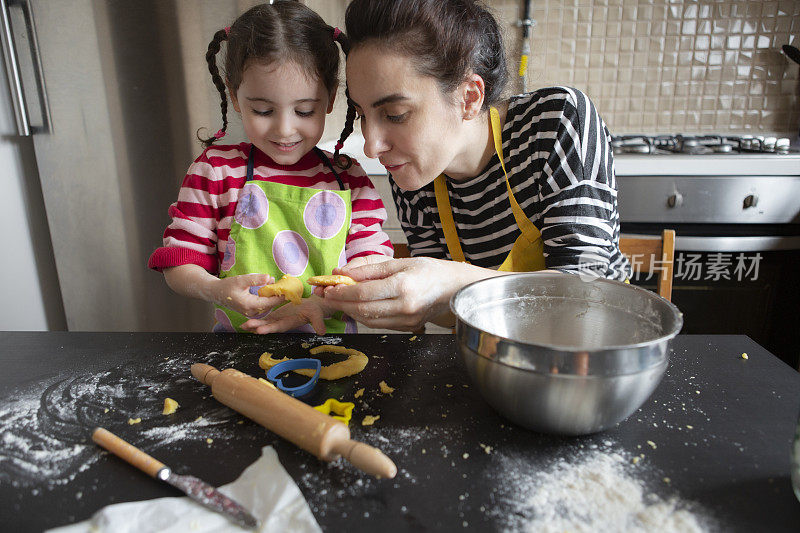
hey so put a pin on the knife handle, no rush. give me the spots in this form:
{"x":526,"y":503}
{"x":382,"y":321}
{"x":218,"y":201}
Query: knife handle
{"x":127,"y":452}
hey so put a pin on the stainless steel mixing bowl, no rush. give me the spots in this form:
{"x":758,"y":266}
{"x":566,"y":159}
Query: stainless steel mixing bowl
{"x":560,"y":353}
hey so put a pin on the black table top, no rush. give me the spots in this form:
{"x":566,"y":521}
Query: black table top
{"x":719,"y":428}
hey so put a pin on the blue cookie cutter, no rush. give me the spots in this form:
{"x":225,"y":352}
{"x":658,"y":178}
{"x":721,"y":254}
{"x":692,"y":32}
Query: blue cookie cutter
{"x":295,"y":364}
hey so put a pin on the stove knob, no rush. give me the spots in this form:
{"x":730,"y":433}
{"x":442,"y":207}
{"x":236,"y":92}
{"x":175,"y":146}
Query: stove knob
{"x":751,"y":200}
{"x":675,"y":200}
{"x":769,"y":144}
{"x":782,"y":144}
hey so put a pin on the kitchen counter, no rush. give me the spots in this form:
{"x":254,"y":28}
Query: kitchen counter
{"x":715,"y":435}
{"x":750,"y":165}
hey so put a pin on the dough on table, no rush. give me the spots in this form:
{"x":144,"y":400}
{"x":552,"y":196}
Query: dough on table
{"x":288,"y":286}
{"x":355,"y":362}
{"x":170,"y":406}
{"x":369,"y":420}
{"x":386,"y":389}
{"x":325,"y":281}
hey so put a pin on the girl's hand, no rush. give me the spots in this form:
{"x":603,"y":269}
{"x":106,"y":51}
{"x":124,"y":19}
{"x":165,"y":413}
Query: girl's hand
{"x":240,"y":294}
{"x":402,"y":294}
{"x":311,"y":310}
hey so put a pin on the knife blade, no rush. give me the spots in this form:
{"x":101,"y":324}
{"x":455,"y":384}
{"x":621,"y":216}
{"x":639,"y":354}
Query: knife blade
{"x":195,"y":488}
{"x":208,"y":496}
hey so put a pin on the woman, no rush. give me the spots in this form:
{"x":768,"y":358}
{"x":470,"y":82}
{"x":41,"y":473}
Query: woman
{"x":426,"y":78}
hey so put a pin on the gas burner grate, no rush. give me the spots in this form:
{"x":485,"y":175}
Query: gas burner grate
{"x":698,"y":144}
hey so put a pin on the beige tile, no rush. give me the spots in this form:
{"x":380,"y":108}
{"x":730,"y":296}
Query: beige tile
{"x":659,"y":57}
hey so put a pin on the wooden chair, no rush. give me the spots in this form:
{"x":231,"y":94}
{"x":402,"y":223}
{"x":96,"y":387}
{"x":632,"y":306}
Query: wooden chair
{"x":653,"y":255}
{"x":400,"y":250}
{"x":646,"y":254}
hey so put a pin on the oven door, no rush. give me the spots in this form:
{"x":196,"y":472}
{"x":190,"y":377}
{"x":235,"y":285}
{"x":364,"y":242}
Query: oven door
{"x":736,"y":279}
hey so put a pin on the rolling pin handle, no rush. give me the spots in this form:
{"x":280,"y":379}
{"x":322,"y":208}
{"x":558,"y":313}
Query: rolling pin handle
{"x":367,"y":459}
{"x":204,"y":373}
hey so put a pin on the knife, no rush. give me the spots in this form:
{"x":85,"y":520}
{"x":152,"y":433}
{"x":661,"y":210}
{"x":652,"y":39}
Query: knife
{"x":195,"y":488}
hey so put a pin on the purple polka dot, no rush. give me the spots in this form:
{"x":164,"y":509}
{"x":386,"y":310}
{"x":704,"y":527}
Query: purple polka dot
{"x":229,"y":258}
{"x":253,"y":207}
{"x":342,"y":258}
{"x":349,"y":325}
{"x":324,"y":214}
{"x":290,"y":252}
{"x":223,"y":324}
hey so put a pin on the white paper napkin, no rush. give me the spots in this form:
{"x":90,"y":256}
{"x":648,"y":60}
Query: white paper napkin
{"x":264,"y":489}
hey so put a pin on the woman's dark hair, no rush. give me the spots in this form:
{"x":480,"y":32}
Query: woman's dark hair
{"x":445,"y":39}
{"x":285,"y":30}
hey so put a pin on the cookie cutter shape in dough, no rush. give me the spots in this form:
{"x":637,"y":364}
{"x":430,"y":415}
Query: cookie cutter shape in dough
{"x":295,"y":364}
{"x":340,"y":410}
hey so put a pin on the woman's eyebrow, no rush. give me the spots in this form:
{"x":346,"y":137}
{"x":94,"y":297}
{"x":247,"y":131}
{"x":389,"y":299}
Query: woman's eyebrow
{"x":396,"y":97}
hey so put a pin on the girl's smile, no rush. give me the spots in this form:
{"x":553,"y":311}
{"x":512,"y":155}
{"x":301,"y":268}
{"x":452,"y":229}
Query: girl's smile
{"x":287,"y":147}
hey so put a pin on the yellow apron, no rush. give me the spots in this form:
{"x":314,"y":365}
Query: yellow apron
{"x":527,"y":254}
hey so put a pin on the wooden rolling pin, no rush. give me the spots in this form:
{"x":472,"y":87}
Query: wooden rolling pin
{"x":311,"y":430}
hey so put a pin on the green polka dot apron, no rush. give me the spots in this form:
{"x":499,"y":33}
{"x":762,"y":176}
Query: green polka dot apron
{"x":283,"y":229}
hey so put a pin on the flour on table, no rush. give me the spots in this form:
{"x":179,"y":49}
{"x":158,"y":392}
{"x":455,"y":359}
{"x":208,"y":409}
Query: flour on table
{"x":331,"y":482}
{"x":598,"y":490}
{"x":45,"y":431}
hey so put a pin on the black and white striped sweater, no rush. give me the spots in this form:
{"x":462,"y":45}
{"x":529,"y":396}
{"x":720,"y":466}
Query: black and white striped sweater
{"x":558,"y":156}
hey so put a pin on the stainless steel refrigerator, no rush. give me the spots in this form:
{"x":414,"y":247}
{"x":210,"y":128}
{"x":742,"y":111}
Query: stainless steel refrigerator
{"x":112,"y":94}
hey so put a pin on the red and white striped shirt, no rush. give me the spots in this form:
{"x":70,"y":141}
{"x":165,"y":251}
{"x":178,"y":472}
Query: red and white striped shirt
{"x":202,"y":216}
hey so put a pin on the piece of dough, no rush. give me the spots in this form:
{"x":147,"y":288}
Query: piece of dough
{"x":369,"y":420}
{"x":385,"y":388}
{"x":288,"y":286}
{"x":325,"y":281}
{"x":355,"y":362}
{"x":170,"y":406}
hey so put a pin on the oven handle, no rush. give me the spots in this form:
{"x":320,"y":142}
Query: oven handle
{"x":733,"y":244}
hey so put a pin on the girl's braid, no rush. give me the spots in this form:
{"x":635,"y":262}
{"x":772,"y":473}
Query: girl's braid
{"x":219,"y":83}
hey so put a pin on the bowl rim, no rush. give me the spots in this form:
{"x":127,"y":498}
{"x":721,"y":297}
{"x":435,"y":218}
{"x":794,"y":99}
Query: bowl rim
{"x":571,"y":349}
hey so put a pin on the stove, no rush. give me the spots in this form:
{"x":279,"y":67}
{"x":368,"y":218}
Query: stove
{"x":700,"y":144}
{"x":709,"y":179}
{"x":734,"y":202}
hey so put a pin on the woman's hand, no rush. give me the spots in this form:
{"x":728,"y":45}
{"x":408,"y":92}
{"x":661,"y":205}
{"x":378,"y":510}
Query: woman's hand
{"x":311,"y":310}
{"x":238,"y":293}
{"x":402,"y":294}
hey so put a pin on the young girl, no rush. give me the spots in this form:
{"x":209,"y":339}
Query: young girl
{"x":249,"y":213}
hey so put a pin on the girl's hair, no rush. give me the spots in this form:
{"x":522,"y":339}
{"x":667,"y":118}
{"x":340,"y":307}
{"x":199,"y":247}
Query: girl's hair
{"x":285,"y":30}
{"x":445,"y":39}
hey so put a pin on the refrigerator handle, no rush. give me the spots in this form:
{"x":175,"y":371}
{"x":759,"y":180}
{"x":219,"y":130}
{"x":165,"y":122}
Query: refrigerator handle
{"x":14,"y":72}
